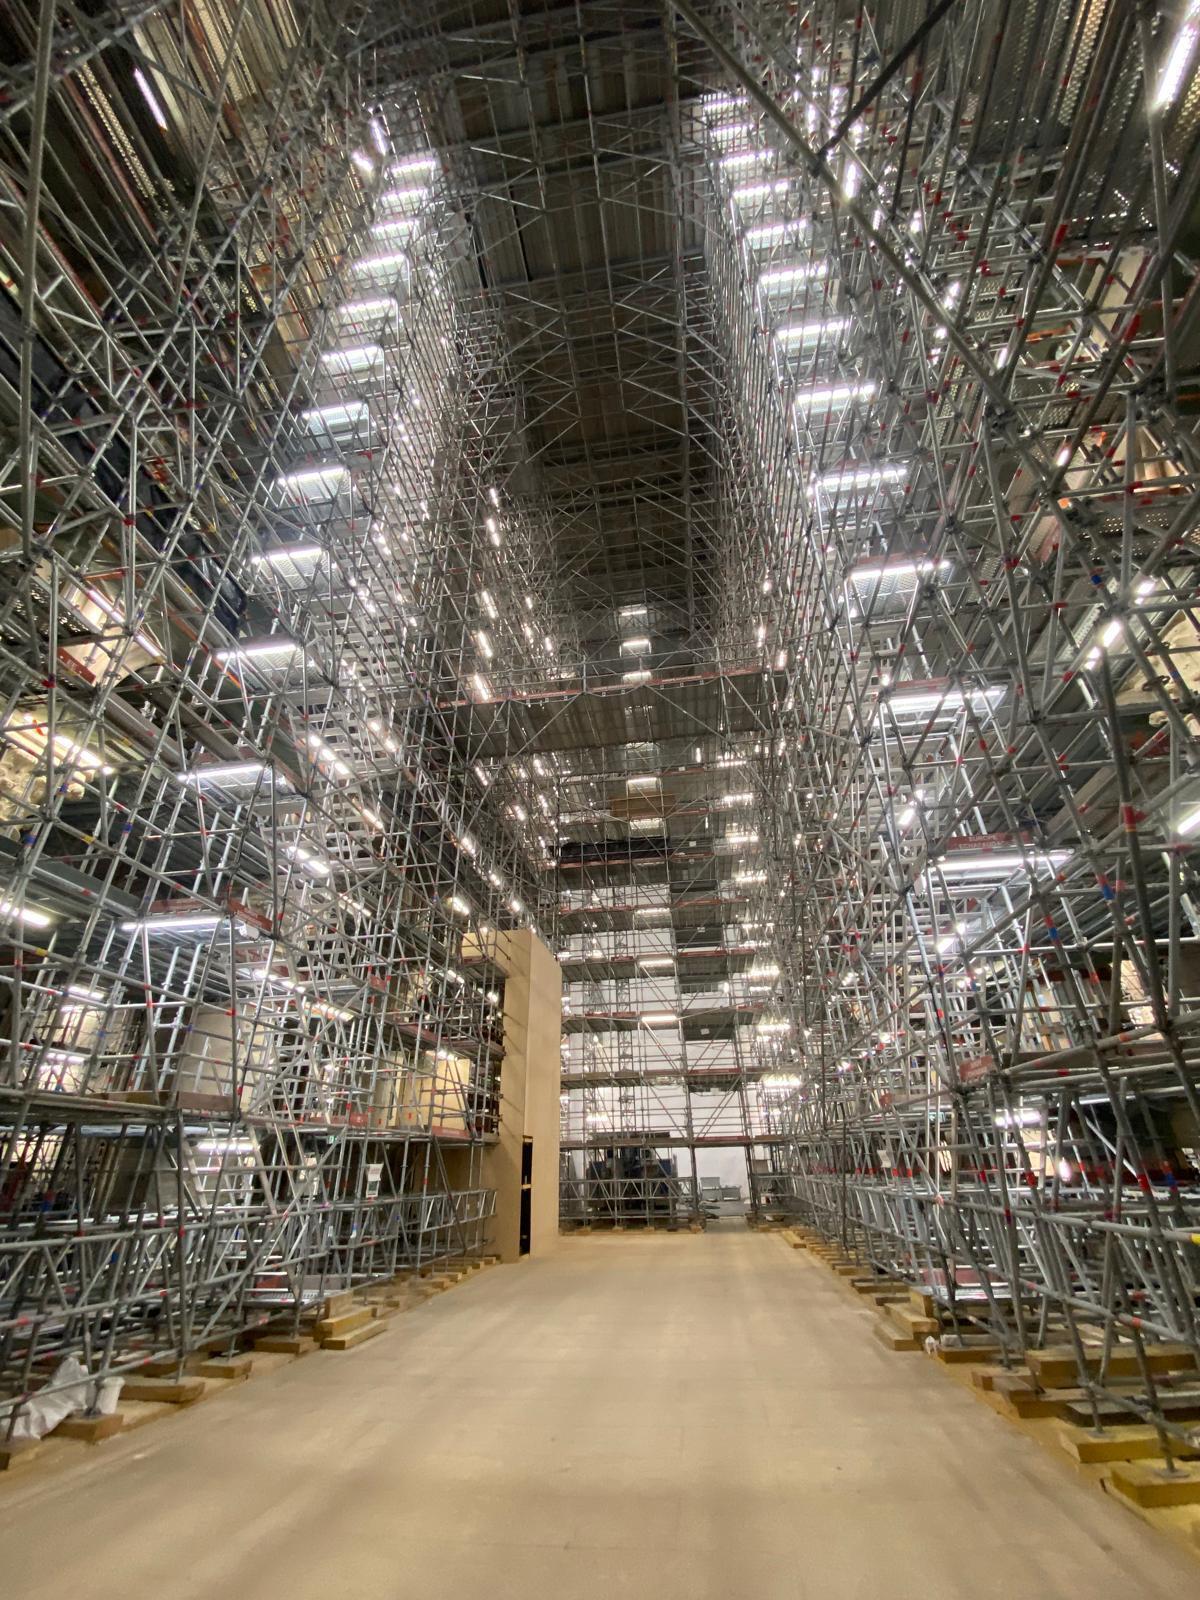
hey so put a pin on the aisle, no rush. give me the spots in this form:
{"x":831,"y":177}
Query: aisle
{"x":675,"y":1416}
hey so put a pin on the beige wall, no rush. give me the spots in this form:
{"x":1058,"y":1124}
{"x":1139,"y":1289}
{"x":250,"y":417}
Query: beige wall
{"x":529,"y":1090}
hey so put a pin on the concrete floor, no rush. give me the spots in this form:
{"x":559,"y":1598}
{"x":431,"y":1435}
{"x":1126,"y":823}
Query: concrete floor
{"x":673,"y":1416}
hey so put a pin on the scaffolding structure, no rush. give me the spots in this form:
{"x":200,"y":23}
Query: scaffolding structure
{"x":251,"y":514}
{"x":717,"y":482}
{"x":960,"y":316}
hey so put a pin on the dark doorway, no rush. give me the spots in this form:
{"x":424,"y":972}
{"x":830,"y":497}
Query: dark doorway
{"x":526,"y":1194}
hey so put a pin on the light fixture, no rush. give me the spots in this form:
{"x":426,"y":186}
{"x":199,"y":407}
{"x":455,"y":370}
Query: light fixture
{"x":793,"y":333}
{"x":785,"y":277}
{"x":637,"y":646}
{"x":309,"y":860}
{"x":850,"y":476}
{"x":915,"y":702}
{"x":29,"y":732}
{"x":747,"y":194}
{"x":838,"y":394}
{"x":766,"y":234}
{"x":382,"y":262}
{"x":375,"y":305}
{"x":298,"y":554}
{"x":1179,"y":58}
{"x":658,"y":1019}
{"x":889,"y":570}
{"x":313,"y":482}
{"x":1021,"y":1117}
{"x":411,"y":165}
{"x":265,"y":651}
{"x":151,"y":99}
{"x":353,"y":358}
{"x":987,"y":863}
{"x":226,"y":772}
{"x":183,"y":922}
{"x":739,"y":160}
{"x":86,"y":997}
{"x":412,"y":194}
{"x":352,"y":415}
{"x":30,"y":915}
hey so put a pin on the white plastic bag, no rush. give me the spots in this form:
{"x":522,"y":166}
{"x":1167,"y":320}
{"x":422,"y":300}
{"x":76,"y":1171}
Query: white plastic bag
{"x":70,"y":1390}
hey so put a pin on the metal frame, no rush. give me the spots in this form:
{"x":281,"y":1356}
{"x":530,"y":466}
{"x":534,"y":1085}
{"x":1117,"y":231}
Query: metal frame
{"x":845,"y":358}
{"x":252,"y":1030}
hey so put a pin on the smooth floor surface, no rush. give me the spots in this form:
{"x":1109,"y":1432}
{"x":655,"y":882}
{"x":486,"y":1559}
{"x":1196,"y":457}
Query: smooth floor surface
{"x":671,"y":1416}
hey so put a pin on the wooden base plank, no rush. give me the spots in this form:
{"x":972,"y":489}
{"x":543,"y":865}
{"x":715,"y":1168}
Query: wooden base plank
{"x":1150,"y":1483}
{"x":90,"y":1430}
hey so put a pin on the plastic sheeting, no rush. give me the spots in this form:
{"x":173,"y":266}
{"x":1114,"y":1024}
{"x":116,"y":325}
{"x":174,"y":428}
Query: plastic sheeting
{"x":71,"y":1389}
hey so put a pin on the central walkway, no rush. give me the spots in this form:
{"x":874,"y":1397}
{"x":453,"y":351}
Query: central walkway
{"x":670,"y":1416}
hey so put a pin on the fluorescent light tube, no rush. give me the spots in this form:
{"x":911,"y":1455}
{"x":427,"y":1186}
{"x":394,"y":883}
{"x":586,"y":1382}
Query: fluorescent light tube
{"x":151,"y":99}
{"x":331,"y":417}
{"x":185,"y":922}
{"x":410,"y":165}
{"x":809,"y":332}
{"x":282,"y":553}
{"x":895,"y":569}
{"x":860,"y":477}
{"x":837,"y":394}
{"x":381,"y":262}
{"x":1179,"y":58}
{"x":261,"y":650}
{"x":231,"y":772}
{"x":321,"y":481}
{"x":353,"y":358}
{"x":783,"y":277}
{"x":11,"y":912}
